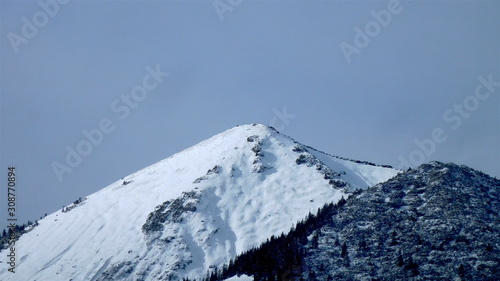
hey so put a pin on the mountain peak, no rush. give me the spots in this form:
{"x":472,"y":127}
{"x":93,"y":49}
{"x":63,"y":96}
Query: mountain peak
{"x":241,"y":132}
{"x":435,"y":222}
{"x":255,"y":126}
{"x":202,"y":206}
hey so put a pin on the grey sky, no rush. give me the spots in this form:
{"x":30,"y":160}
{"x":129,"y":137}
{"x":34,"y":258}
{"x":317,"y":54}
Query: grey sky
{"x":261,"y":58}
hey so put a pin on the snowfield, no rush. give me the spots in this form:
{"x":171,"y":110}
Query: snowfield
{"x":190,"y":212}
{"x":240,"y":278}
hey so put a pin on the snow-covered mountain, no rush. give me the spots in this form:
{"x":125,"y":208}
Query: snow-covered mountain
{"x":190,"y":212}
{"x":435,"y":222}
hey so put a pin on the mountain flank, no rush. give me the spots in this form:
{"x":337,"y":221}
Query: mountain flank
{"x":436,"y":222}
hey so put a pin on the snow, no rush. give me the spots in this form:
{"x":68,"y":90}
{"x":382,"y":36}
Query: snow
{"x":240,"y":278}
{"x":360,"y":175}
{"x":248,"y":199}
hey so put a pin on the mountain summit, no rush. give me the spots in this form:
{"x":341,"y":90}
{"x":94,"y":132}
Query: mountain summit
{"x":436,"y":222}
{"x":193,"y":211}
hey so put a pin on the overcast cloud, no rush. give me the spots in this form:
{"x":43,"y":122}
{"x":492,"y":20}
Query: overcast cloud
{"x":421,"y":84}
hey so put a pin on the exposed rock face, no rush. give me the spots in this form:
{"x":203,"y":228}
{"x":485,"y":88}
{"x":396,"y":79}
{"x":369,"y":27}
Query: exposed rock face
{"x":436,"y":222}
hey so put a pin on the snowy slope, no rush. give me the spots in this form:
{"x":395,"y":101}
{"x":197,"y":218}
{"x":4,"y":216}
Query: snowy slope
{"x":434,"y":222}
{"x":193,"y":210}
{"x":240,"y":278}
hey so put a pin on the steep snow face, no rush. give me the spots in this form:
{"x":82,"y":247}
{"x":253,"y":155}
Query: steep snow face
{"x":191,"y":211}
{"x":359,"y":175}
{"x":240,"y":278}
